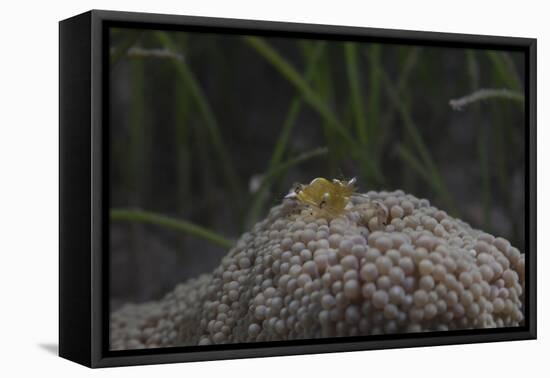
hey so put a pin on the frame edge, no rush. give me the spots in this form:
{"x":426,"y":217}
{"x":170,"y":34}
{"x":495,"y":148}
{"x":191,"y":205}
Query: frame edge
{"x":74,"y":191}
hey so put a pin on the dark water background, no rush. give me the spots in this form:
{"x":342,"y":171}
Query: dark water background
{"x":195,"y":120}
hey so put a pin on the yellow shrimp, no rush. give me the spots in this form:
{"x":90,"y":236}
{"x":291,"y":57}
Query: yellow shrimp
{"x":330,"y":197}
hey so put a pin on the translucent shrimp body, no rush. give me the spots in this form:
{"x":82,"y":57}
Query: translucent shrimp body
{"x":330,"y":197}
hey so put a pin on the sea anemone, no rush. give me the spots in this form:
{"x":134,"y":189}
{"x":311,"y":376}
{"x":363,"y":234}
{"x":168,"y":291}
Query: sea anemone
{"x":300,"y":274}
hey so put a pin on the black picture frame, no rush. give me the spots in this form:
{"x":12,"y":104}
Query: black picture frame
{"x":83,"y":266}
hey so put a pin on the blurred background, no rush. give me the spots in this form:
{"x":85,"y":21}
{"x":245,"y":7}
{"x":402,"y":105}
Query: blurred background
{"x":208,"y":131}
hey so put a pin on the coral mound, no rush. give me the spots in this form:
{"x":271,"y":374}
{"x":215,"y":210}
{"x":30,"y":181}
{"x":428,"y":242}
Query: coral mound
{"x":298,"y":275}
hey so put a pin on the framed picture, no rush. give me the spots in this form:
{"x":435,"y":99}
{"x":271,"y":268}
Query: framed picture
{"x":234,"y":188}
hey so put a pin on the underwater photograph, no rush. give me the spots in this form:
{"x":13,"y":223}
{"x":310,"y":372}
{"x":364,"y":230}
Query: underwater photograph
{"x":266,"y":188}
